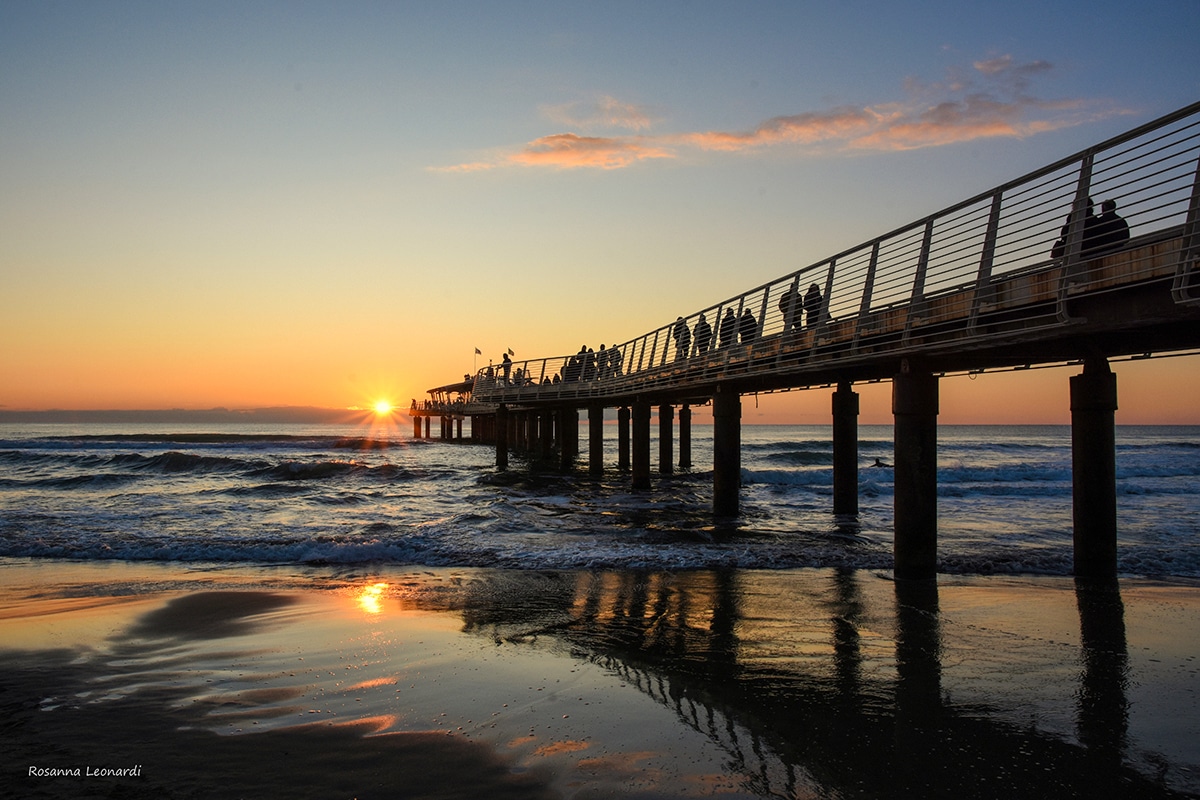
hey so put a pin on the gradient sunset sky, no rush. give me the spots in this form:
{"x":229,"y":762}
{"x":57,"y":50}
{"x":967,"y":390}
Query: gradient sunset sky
{"x":249,"y":204}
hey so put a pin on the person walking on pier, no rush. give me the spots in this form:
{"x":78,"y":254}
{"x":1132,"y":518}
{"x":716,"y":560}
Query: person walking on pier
{"x":812,"y":305}
{"x":615,"y":360}
{"x":589,"y":365}
{"x":683,"y":339}
{"x":703,"y":336}
{"x":727,"y":330}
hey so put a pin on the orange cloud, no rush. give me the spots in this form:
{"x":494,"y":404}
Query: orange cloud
{"x":569,"y":150}
{"x":988,"y":101}
{"x":810,"y":128}
{"x":974,"y":117}
{"x":555,"y":748}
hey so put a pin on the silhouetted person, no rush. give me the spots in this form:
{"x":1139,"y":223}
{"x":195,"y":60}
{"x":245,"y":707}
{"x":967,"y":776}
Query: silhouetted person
{"x":1111,"y":230}
{"x":790,"y":306}
{"x":615,"y":359}
{"x":812,"y":304}
{"x":589,"y":365}
{"x":703,"y":335}
{"x":683,"y":339}
{"x":727,"y":330}
{"x":506,"y":366}
{"x":574,"y":368}
{"x":747,"y":326}
{"x":1089,"y":227}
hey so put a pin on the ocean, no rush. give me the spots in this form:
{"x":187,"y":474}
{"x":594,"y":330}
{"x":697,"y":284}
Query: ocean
{"x":274,"y":494}
{"x":345,"y":611}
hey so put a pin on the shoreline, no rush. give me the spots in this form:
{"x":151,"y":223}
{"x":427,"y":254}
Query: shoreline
{"x":577,"y":684}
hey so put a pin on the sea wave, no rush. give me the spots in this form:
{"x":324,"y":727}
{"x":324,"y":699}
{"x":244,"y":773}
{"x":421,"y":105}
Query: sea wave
{"x":700,"y":551}
{"x":801,"y":458}
{"x":174,"y":461}
{"x":95,"y":480}
{"x":323,"y":469}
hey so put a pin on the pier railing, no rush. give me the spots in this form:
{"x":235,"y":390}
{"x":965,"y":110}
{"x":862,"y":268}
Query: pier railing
{"x":1005,"y":263}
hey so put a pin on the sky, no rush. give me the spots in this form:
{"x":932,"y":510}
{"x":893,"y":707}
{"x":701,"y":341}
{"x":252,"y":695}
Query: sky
{"x":251,"y":204}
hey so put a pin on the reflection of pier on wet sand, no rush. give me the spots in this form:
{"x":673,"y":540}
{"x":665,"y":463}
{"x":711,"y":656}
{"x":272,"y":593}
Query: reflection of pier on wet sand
{"x":845,"y":685}
{"x":512,"y":683}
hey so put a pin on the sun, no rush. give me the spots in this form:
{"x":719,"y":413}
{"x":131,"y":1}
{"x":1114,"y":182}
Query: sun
{"x":383,"y":408}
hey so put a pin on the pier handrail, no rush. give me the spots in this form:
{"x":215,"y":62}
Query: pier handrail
{"x":1006,"y":260}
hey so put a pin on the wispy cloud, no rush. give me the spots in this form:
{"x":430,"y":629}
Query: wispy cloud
{"x":570,"y":150}
{"x":991,"y":99}
{"x":605,"y":112}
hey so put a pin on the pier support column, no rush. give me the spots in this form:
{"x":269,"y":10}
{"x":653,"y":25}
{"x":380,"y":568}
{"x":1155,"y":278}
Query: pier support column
{"x":416,"y":427}
{"x":623,"y":438}
{"x":685,"y":438}
{"x":458,"y":428}
{"x":845,"y":450}
{"x":727,"y":451}
{"x":502,"y":437}
{"x":596,"y":440}
{"x":570,"y":438}
{"x":915,"y":406}
{"x":1094,"y":469}
{"x":641,"y":446}
{"x":427,"y":424}
{"x":546,"y":433}
{"x":522,"y":439}
{"x":666,"y":421}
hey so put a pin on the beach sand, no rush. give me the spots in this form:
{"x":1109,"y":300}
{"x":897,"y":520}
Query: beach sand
{"x":316,"y":682}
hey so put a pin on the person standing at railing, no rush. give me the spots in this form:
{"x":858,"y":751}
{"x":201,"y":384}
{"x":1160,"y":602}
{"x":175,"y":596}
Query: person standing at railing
{"x":789,"y":306}
{"x":615,"y":360}
{"x":1089,"y":231}
{"x":812,"y":305}
{"x":1111,"y":231}
{"x":506,"y":367}
{"x":727,"y":330}
{"x":703,"y":336}
{"x":747,"y":326}
{"x":683,"y":339}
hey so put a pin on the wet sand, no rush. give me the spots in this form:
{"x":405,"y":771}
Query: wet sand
{"x":167,"y":681}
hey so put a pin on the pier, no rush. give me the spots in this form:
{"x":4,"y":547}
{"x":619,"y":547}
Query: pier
{"x":1036,"y":272}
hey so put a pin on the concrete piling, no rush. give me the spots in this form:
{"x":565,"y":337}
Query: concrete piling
{"x":915,"y":408}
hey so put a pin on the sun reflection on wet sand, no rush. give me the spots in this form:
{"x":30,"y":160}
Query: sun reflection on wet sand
{"x":370,"y":598}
